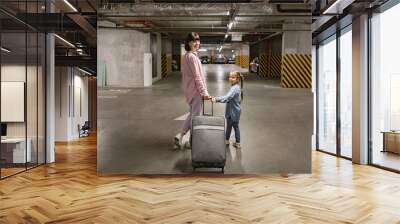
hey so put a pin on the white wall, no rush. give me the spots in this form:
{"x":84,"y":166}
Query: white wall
{"x":68,"y":81}
{"x":17,"y":73}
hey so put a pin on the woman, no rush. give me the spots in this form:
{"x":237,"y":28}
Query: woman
{"x":193,"y":83}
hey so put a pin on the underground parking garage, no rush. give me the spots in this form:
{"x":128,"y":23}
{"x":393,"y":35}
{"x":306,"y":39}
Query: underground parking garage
{"x":141,"y":56}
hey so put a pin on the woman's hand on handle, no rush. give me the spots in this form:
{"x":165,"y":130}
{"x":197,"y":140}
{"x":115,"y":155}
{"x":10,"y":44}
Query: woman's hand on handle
{"x":207,"y":97}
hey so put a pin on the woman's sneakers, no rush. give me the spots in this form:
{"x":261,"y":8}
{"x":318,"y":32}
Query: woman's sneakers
{"x":237,"y":145}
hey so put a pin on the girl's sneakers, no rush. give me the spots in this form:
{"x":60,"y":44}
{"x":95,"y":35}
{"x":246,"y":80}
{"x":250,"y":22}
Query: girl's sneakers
{"x":226,"y":142}
{"x":237,"y":145}
{"x":178,"y":140}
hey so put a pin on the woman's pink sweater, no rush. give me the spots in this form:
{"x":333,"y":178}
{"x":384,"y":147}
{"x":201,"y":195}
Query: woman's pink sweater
{"x":193,"y":77}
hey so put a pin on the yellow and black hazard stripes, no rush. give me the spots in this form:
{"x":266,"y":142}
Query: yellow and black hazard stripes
{"x":237,"y":60}
{"x":296,"y":71}
{"x":263,"y":65}
{"x":164,"y":68}
{"x":166,"y":65}
{"x":275,"y":62}
{"x":244,"y":61}
{"x":169,"y":63}
{"x":270,"y":65}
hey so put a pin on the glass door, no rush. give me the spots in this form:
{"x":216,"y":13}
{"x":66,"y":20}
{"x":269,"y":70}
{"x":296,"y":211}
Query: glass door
{"x":326,"y":103}
{"x":346,"y":92}
{"x":385,"y":89}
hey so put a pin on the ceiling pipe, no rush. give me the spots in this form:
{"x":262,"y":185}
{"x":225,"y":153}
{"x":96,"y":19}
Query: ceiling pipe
{"x":282,"y":10}
{"x":265,"y":38}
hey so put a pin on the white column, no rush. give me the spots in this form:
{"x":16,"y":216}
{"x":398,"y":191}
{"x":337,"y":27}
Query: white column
{"x":360,"y":90}
{"x":50,"y":99}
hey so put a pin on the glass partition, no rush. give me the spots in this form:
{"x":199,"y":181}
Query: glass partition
{"x":22,"y":88}
{"x":14,"y":153}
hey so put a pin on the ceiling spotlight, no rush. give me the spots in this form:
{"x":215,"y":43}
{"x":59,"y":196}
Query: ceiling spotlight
{"x":5,"y":50}
{"x":86,"y":72}
{"x":226,"y":36}
{"x":70,"y":5}
{"x":65,"y":41}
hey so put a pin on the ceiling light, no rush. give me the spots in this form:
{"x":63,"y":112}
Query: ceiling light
{"x":335,"y":7}
{"x":5,"y":50}
{"x":64,"y":40}
{"x":230,"y":25}
{"x":226,"y":36}
{"x":227,"y":13}
{"x":70,"y":5}
{"x":86,"y":72}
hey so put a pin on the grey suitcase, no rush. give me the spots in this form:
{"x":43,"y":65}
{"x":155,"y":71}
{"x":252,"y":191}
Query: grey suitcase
{"x":208,"y":141}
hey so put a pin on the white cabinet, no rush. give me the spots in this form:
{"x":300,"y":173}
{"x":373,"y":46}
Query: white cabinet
{"x":17,"y":148}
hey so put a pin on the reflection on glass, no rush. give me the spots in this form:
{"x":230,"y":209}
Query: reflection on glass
{"x":346,"y":94}
{"x":385,"y":89}
{"x":327,"y":96}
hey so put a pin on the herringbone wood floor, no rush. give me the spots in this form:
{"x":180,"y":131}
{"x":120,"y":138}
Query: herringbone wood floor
{"x":70,"y":191}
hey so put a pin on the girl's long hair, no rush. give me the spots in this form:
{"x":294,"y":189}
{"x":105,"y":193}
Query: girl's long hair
{"x":241,"y":80}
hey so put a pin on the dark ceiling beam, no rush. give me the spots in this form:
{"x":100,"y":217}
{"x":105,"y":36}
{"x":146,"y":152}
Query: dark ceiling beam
{"x":84,"y":61}
{"x":84,"y":24}
{"x":91,"y":5}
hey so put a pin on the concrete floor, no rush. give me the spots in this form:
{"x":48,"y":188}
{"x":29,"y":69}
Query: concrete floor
{"x":136,"y":127}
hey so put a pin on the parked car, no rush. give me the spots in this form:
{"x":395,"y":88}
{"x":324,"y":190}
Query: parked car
{"x":220,"y":60}
{"x":205,"y":60}
{"x":231,"y":61}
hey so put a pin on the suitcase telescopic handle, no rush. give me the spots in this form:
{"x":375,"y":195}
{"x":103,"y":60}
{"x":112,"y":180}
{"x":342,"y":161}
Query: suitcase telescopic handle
{"x":212,"y":108}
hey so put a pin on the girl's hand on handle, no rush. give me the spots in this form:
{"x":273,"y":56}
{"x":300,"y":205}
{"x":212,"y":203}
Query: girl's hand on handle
{"x":213,"y":99}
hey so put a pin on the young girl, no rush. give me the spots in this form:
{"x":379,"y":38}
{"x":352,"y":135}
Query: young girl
{"x":232,"y":110}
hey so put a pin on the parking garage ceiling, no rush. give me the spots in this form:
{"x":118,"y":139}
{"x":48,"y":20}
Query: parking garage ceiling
{"x":253,"y":19}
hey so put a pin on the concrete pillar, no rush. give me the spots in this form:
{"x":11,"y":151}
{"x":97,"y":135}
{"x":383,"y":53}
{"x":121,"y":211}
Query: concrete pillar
{"x":158,"y":59}
{"x":237,"y":56}
{"x":296,"y":56}
{"x":270,"y":55}
{"x":245,"y":56}
{"x":360,"y":90}
{"x":123,"y":52}
{"x":166,"y":57}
